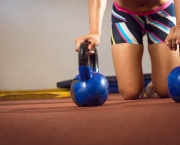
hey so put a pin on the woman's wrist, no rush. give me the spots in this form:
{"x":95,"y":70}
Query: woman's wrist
{"x":96,"y":33}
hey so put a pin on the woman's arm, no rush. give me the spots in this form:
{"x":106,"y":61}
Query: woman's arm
{"x":173,"y":38}
{"x":177,"y":9}
{"x":96,"y":12}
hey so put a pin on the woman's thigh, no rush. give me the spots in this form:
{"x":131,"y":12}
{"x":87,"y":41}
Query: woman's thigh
{"x":163,"y":61}
{"x":127,"y":59}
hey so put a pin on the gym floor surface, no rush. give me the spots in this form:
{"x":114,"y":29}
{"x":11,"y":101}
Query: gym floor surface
{"x":147,"y":121}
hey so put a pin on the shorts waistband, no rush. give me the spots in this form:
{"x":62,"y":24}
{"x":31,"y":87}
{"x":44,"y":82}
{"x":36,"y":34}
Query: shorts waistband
{"x":143,"y":13}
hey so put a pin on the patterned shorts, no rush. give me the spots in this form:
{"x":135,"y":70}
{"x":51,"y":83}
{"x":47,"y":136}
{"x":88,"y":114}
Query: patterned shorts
{"x":130,"y":27}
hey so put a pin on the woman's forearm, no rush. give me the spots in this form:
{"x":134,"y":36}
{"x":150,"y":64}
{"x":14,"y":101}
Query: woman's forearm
{"x":96,"y":12}
{"x":177,"y":9}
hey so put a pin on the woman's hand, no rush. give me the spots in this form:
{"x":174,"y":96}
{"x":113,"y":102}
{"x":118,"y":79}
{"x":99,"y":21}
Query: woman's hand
{"x":93,"y":40}
{"x":173,"y":39}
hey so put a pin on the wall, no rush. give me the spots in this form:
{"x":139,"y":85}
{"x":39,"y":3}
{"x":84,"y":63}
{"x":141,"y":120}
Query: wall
{"x":37,"y":42}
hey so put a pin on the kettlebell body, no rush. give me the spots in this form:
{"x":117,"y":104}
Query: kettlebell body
{"x":89,"y":88}
{"x":174,"y":84}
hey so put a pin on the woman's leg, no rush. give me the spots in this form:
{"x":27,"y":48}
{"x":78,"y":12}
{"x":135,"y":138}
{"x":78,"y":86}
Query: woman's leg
{"x":127,"y":60}
{"x":163,"y":61}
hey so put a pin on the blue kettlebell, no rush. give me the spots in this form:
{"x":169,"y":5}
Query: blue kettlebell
{"x":174,"y":84}
{"x":89,"y":88}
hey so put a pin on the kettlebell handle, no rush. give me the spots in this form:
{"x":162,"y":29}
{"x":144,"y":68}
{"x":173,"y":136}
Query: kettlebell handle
{"x":84,"y":57}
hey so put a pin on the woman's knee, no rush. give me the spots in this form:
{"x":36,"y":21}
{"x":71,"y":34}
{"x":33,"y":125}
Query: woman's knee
{"x":161,"y":90}
{"x":162,"y":94}
{"x":131,"y":94}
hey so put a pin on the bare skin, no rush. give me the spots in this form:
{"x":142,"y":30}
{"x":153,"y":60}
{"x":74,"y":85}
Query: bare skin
{"x":164,"y":56}
{"x":140,"y":5}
